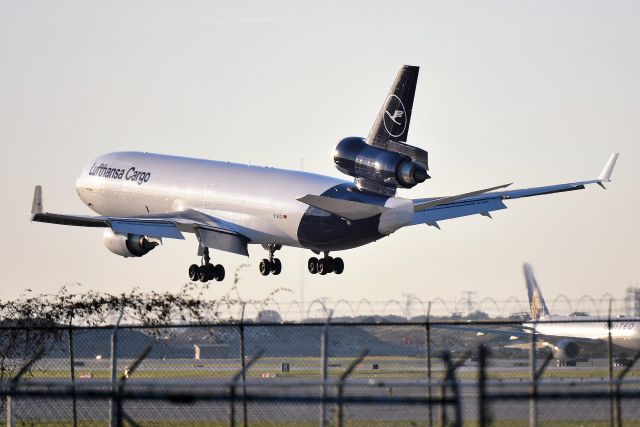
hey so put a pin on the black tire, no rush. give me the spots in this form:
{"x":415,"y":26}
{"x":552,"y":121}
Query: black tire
{"x":210,"y":271}
{"x":276,"y":266}
{"x":312,"y":265}
{"x":218,"y":273}
{"x":265,"y":267}
{"x":329,"y":265}
{"x":202,"y":274}
{"x":338,"y":265}
{"x":193,"y":272}
{"x":323,"y":268}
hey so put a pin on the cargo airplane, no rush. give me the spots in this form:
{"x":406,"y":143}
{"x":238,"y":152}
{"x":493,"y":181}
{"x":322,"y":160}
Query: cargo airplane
{"x":142,"y":198}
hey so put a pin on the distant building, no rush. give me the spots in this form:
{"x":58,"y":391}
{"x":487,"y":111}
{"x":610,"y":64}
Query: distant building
{"x":521,"y":316}
{"x":211,"y":351}
{"x":632,"y":302}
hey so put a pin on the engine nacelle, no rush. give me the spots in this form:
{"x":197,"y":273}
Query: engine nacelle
{"x":565,"y":350}
{"x":130,"y":245}
{"x":389,"y":169}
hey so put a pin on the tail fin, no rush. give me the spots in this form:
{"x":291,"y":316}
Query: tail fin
{"x":536,"y":301}
{"x":394,"y":116}
{"x":391,"y":128}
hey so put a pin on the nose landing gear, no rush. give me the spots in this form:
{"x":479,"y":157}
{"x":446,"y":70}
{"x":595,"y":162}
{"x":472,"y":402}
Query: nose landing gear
{"x":271,"y":265}
{"x":206,"y":271}
{"x":325,"y":265}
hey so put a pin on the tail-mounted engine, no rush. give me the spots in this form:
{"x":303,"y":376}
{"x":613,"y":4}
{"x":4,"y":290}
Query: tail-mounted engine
{"x":376,"y":169}
{"x":131,"y":245}
{"x":383,"y":162}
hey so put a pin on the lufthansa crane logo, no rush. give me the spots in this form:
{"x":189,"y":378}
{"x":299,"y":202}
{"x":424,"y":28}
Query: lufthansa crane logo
{"x":394,"y":117}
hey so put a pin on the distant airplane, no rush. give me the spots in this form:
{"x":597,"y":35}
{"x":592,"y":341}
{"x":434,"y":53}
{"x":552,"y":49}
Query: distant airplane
{"x":566,"y":337}
{"x":142,"y":198}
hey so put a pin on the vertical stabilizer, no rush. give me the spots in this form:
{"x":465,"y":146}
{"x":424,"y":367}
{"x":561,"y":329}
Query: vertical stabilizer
{"x":392,"y":123}
{"x":536,"y":301}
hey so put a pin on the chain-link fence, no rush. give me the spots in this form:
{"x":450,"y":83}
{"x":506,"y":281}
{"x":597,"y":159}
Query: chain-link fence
{"x":303,"y":374}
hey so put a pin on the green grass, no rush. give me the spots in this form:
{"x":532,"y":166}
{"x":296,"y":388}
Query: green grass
{"x":313,"y":373}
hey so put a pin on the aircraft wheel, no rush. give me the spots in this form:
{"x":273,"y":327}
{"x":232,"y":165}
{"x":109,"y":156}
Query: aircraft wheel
{"x":276,"y":266}
{"x":323,"y":268}
{"x":265,"y":267}
{"x":338,"y":265}
{"x":193,"y":272}
{"x":329,"y":264}
{"x":218,"y":273}
{"x":312,"y":265}
{"x":210,"y":271}
{"x":202,"y":274}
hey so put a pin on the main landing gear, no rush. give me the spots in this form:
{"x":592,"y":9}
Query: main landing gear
{"x":271,"y":265}
{"x":206,"y":271}
{"x":325,"y":265}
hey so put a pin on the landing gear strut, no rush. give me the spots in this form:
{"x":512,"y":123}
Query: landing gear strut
{"x":325,"y":265}
{"x":206,"y":270}
{"x":271,"y":265}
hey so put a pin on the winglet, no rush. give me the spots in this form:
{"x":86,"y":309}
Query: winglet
{"x":36,"y":206}
{"x":605,"y":175}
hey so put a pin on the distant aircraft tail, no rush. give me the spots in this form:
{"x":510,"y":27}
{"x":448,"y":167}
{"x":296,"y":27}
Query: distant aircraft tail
{"x":536,"y":301}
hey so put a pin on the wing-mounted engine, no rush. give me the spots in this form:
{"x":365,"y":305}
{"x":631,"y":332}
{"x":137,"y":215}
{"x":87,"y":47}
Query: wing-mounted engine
{"x":565,"y":350}
{"x":130,"y":245}
{"x":383,"y":162}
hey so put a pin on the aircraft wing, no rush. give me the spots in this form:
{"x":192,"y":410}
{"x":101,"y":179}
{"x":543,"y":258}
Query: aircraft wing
{"x":212,"y":232}
{"x":430,"y":211}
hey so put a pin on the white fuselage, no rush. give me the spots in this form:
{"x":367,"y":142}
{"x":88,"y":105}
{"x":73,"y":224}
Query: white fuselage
{"x":258,"y":202}
{"x":623,"y":333}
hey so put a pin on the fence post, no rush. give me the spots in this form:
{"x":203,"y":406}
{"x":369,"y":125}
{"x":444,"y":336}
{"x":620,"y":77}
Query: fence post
{"x":428,"y":354}
{"x":11,"y":420}
{"x":451,"y":380}
{"x":324,"y":367}
{"x":232,"y":387}
{"x":533,"y":402}
{"x":484,"y":417}
{"x":114,"y":403}
{"x":74,"y":407}
{"x":242,"y":365}
{"x":612,"y":415}
{"x":619,"y":384}
{"x":345,"y":374}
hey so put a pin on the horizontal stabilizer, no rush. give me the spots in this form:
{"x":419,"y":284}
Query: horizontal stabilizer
{"x":343,"y":208}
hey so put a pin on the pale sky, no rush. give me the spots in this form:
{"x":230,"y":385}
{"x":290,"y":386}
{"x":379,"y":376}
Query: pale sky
{"x":530,"y":92}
